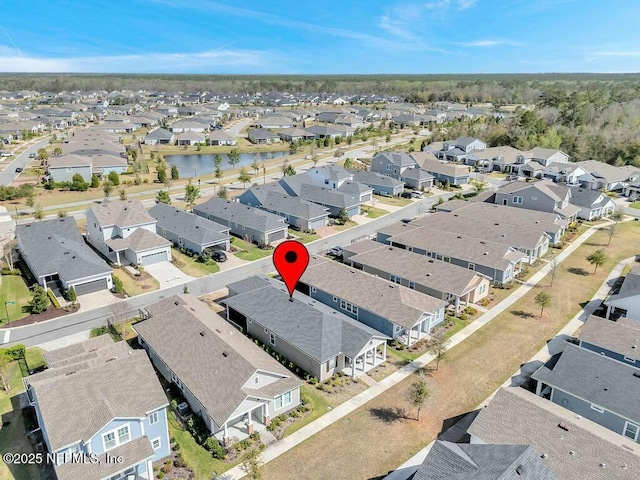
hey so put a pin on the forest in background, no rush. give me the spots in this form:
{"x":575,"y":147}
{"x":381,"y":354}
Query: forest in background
{"x":589,"y":116}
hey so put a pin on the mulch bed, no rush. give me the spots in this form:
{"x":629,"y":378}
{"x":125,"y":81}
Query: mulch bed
{"x":49,"y":314}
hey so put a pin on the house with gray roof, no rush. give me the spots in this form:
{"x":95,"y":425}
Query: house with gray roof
{"x":593,"y":204}
{"x":317,"y":338}
{"x":159,"y":136}
{"x":124,"y":232}
{"x":63,"y":168}
{"x":188,"y":230}
{"x":295,"y":134}
{"x":251,"y":223}
{"x":574,"y":447}
{"x":220,"y":137}
{"x":331,"y":198}
{"x":85,"y":405}
{"x":392,"y":309}
{"x":611,"y":178}
{"x":228,"y":380}
{"x":402,"y":167}
{"x":618,"y":340}
{"x":593,"y":386}
{"x":456,"y":285}
{"x":379,"y":184}
{"x":463,"y":461}
{"x":59,"y":258}
{"x":262,"y":136}
{"x":627,"y":301}
{"x":498,"y":261}
{"x":543,"y":195}
{"x":442,"y":171}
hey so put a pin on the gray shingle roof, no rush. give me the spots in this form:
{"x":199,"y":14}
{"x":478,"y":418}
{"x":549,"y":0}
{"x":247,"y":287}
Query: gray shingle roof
{"x":354,"y":188}
{"x":630,"y":286}
{"x":417,"y":174}
{"x":64,"y":353}
{"x":426,"y":162}
{"x":399,"y":159}
{"x":585,"y":197}
{"x":375,"y":179}
{"x":308,"y":325}
{"x":106,"y":394}
{"x":56,"y":246}
{"x":188,"y":225}
{"x":211,"y":358}
{"x":609,"y":173}
{"x":127,"y":213}
{"x":160,"y":134}
{"x":288,"y":205}
{"x":596,"y":379}
{"x":240,"y":214}
{"x":516,"y":416}
{"x":327,"y":196}
{"x":451,"y":461}
{"x":138,"y":241}
{"x":398,"y":304}
{"x":618,"y":337}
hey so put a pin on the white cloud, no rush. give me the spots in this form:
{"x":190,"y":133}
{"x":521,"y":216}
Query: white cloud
{"x":617,"y":54}
{"x":488,"y":43}
{"x":464,"y":4}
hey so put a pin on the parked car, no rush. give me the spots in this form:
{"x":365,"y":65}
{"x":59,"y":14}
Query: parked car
{"x":19,"y":169}
{"x":336,"y":251}
{"x":219,"y":256}
{"x":406,"y":220}
{"x":32,"y":155}
{"x":5,"y":154}
{"x":416,"y":194}
{"x":512,"y":177}
{"x":406,"y":195}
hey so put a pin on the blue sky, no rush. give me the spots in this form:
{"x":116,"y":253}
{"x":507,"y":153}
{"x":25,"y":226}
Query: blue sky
{"x":293,"y":36}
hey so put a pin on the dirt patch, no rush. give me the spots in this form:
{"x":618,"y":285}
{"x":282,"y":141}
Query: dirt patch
{"x":393,"y":364}
{"x":49,"y":314}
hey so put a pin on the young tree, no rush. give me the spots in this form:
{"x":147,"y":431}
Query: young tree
{"x":38,"y":212}
{"x":289,"y":171}
{"x":223,"y":192}
{"x":39,"y":300}
{"x":10,"y":253}
{"x":348,"y":163}
{"x":30,"y":199}
{"x":161,"y":171}
{"x":95,"y":182}
{"x":244,"y":177}
{"x":42,"y":154}
{"x":543,"y":300}
{"x":418,"y":393}
{"x":123,"y":194}
{"x":251,"y":464}
{"x":597,"y":258}
{"x":255,"y":164}
{"x":217,"y":161}
{"x":388,"y":138}
{"x":218,"y":174}
{"x":192,"y":193}
{"x":62,"y":214}
{"x":163,"y":197}
{"x":118,"y":286}
{"x":57,"y":150}
{"x":293,"y":148}
{"x":107,"y":188}
{"x":554,"y":270}
{"x":113,"y":178}
{"x":343,"y":216}
{"x":438,"y":345}
{"x":234,"y":157}
{"x":349,"y":140}
{"x":175,"y":175}
{"x":71,"y":295}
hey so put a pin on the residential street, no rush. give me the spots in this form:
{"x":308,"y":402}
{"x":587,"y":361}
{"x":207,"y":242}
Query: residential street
{"x":9,"y":174}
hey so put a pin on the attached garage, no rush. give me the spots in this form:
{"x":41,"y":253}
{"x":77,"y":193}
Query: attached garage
{"x":90,"y":287}
{"x":156,"y":257}
{"x":275,"y":236}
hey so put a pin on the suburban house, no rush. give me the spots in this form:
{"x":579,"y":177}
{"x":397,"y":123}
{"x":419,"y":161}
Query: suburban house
{"x":498,"y":261}
{"x":332,"y":199}
{"x":609,"y":177}
{"x":189,"y":125}
{"x":330,"y":176}
{"x":627,"y":301}
{"x":229,"y":381}
{"x":190,"y":138}
{"x":299,"y":214}
{"x":188,"y":230}
{"x":464,"y":461}
{"x":262,"y":136}
{"x":402,"y":167}
{"x":319,"y":339}
{"x":618,"y":340}
{"x":160,"y":136}
{"x":379,"y":184}
{"x":568,"y":173}
{"x":295,"y":134}
{"x":123,"y":231}
{"x":59,"y":258}
{"x":456,"y":285}
{"x":85,"y":405}
{"x":276,"y":122}
{"x":593,"y":204}
{"x":219,"y":137}
{"x":64,"y":167}
{"x":596,"y":387}
{"x":573,"y":447}
{"x":331,"y":131}
{"x":254,"y":224}
{"x":442,"y":172}
{"x":531,"y":240}
{"x":543,"y":195}
{"x":394,"y":310}
{"x":493,"y":158}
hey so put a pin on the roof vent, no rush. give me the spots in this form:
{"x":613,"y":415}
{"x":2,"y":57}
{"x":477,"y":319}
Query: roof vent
{"x":537,"y":221}
{"x":636,"y":374}
{"x":503,"y":235}
{"x":218,"y":331}
{"x":520,"y":469}
{"x":496,"y":224}
{"x":564,"y":426}
{"x":571,"y":452}
{"x":634,"y":346}
{"x":544,"y":455}
{"x":202,"y":333}
{"x":225,"y":354}
{"x":458,"y":236}
{"x":66,"y":253}
{"x":482,"y":242}
{"x":428,"y":274}
{"x":603,"y":465}
{"x":486,"y":253}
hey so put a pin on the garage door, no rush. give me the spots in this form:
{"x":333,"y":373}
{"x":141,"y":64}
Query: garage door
{"x":90,"y":287}
{"x":277,"y":235}
{"x":153,"y":258}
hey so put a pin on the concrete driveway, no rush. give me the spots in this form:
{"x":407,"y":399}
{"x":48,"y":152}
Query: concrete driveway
{"x":232,"y":262}
{"x":167,"y":274}
{"x":96,"y":300}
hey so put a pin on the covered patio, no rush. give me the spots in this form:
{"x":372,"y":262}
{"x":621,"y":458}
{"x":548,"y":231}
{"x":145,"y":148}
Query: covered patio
{"x":419,"y":331}
{"x":370,"y":358}
{"x":253,"y":417}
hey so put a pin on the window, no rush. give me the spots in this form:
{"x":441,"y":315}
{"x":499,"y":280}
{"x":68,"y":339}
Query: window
{"x":348,"y":307}
{"x":631,"y":430}
{"x":123,"y":435}
{"x":109,"y":440}
{"x":388,"y":166}
{"x":630,"y":360}
{"x":472,"y":266}
{"x":412,"y":285}
{"x":331,"y":364}
{"x":272,"y":339}
{"x":283,"y":400}
{"x":438,"y":256}
{"x":597,"y":408}
{"x":483,"y":288}
{"x":395,"y":279}
{"x":410,"y":249}
{"x":447,"y":259}
{"x":74,"y":449}
{"x":69,"y":170}
{"x":517,"y":200}
{"x":156,"y":443}
{"x":326,"y":182}
{"x":153,"y":418}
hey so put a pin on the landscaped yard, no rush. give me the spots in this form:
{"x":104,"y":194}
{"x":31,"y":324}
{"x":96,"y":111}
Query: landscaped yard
{"x":395,"y":201}
{"x":468,"y":373}
{"x":249,"y":251}
{"x":303,"y":237}
{"x":635,"y":205}
{"x":191,"y":266}
{"x":136,"y":285}
{"x":349,"y":224}
{"x":319,"y":406}
{"x":14,"y":289}
{"x":373,"y":212}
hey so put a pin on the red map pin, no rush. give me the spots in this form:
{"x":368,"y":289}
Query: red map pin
{"x":291,"y":259}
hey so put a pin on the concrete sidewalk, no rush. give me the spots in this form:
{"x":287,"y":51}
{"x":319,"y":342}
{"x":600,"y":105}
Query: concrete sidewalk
{"x":359,"y":400}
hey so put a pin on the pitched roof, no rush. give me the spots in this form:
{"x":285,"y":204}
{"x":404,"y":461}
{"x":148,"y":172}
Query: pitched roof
{"x":139,"y":241}
{"x":609,"y":173}
{"x":288,"y":205}
{"x":630,"y":286}
{"x":618,"y":337}
{"x":160,"y":134}
{"x":399,"y":159}
{"x":542,"y":186}
{"x":310,"y":326}
{"x":210,"y":357}
{"x":587,"y":198}
{"x":516,"y":416}
{"x":398,"y":304}
{"x":106,"y":394}
{"x":189,"y":225}
{"x":56,"y":246}
{"x":334,"y":172}
{"x":123,"y":213}
{"x":63,"y":354}
{"x":596,"y":379}
{"x":327,"y":196}
{"x":452,"y":461}
{"x":375,"y":179}
{"x":426,"y":162}
{"x":238,"y":213}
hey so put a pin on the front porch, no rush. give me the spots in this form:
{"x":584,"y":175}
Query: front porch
{"x":416,"y":333}
{"x":240,"y":426}
{"x":367,"y":360}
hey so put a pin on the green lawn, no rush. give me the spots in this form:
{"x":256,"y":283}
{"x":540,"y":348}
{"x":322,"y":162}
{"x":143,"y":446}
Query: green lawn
{"x":459,"y":325}
{"x":190,"y":266}
{"x":35,"y":358}
{"x":303,"y":237}
{"x":249,"y":251}
{"x":373,"y":212}
{"x":14,"y":289}
{"x":395,"y":201}
{"x":319,"y":406}
{"x":346,"y":226}
{"x":635,"y":205}
{"x":138,"y":285}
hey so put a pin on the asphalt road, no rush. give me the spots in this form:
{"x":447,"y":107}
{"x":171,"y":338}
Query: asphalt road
{"x":9,"y":174}
{"x":36,"y":334}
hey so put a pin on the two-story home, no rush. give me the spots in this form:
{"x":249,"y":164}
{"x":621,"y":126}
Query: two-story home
{"x":442,"y":172}
{"x":59,"y":258}
{"x":542,"y":195}
{"x":402,"y":167}
{"x":594,"y":386}
{"x":466,"y":144}
{"x":618,"y":340}
{"x":498,"y":261}
{"x":319,"y":339}
{"x":392,"y":309}
{"x":627,"y":300}
{"x":228,"y":380}
{"x":251,"y":223}
{"x":379,"y":184}
{"x":123,"y":231}
{"x":457,"y":285}
{"x":100,"y":399}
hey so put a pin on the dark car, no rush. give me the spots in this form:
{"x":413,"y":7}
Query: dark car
{"x":406,"y":220}
{"x":32,"y":155}
{"x":219,"y":256}
{"x":406,"y":195}
{"x":19,"y":169}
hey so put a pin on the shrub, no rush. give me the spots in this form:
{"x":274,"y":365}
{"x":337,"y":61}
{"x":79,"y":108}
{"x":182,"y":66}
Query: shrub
{"x":7,"y":271}
{"x":470,"y":311}
{"x":174,"y":404}
{"x":179,"y":462}
{"x":95,"y":182}
{"x":219,"y":452}
{"x":160,"y":475}
{"x":209,"y":444}
{"x":114,"y":178}
{"x":118,"y":287}
{"x":39,"y":302}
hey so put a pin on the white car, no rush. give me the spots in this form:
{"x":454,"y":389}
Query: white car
{"x":416,"y":194}
{"x":335,"y":251}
